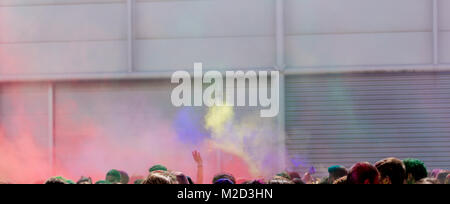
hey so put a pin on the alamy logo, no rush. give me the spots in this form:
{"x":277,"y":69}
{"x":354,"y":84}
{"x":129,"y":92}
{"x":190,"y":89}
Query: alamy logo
{"x":213,"y":95}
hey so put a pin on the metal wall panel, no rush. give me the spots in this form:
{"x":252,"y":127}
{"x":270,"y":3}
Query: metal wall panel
{"x":344,"y":119}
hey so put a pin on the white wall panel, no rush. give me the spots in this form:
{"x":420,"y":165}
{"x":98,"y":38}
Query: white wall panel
{"x":444,"y":15}
{"x":62,"y":23}
{"x":218,"y":53}
{"x":42,"y":37}
{"x":444,"y":47}
{"x":52,"y":2}
{"x":78,"y":57}
{"x":180,"y":19}
{"x":359,"y":49}
{"x":219,"y":33}
{"x":444,"y":35}
{"x":348,"y":16}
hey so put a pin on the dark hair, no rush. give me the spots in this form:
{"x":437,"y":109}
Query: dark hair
{"x":416,"y":169}
{"x":294,"y":175}
{"x":363,"y":173}
{"x":298,"y":181}
{"x":124,"y":178}
{"x":224,"y":181}
{"x":257,"y":182}
{"x":224,"y":176}
{"x":190,"y":180}
{"x":181,"y":178}
{"x":442,"y":177}
{"x":56,"y":180}
{"x":246,"y":182}
{"x":392,"y":168}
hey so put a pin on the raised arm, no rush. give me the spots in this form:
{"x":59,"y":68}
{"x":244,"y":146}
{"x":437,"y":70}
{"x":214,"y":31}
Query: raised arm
{"x":198,"y":159}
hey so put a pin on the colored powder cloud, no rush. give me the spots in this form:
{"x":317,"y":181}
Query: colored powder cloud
{"x":188,"y":125}
{"x":248,"y":137}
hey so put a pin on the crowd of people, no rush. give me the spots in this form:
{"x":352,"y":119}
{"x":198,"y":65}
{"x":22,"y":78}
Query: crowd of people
{"x":386,"y":171}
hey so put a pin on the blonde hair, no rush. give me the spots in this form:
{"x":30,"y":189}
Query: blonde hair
{"x":160,"y":177}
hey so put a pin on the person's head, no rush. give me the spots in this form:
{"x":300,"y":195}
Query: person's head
{"x":285,"y":175}
{"x":190,"y":180}
{"x":181,"y":178}
{"x":428,"y":181}
{"x":442,"y":177}
{"x":157,"y":168}
{"x":257,"y":182}
{"x":325,"y":180}
{"x":392,"y":171}
{"x":102,"y":182}
{"x":113,"y":176}
{"x":224,"y":181}
{"x":84,"y":180}
{"x":160,"y":177}
{"x":280,"y":180}
{"x":415,"y":170}
{"x":138,"y":181}
{"x":56,"y":180}
{"x":135,"y":178}
{"x":124,"y":178}
{"x":363,"y":173}
{"x":254,"y":182}
{"x":336,"y":172}
{"x":447,"y":180}
{"x":298,"y":181}
{"x":224,"y":176}
{"x":294,"y":175}
{"x":246,"y":182}
{"x":435,"y":172}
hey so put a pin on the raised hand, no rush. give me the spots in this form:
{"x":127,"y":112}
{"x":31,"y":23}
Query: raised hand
{"x":197,"y":158}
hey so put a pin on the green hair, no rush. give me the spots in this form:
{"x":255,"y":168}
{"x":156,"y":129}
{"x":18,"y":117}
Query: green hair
{"x":416,"y":168}
{"x":113,"y":176}
{"x":284,"y":175}
{"x":157,"y":168}
{"x":68,"y":181}
{"x":102,"y":182}
{"x":335,"y":168}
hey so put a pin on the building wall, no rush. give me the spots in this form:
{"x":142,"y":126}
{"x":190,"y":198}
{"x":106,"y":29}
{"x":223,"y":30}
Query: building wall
{"x":90,"y":36}
{"x":379,"y":32}
{"x":47,"y":39}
